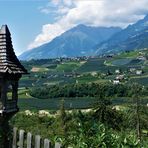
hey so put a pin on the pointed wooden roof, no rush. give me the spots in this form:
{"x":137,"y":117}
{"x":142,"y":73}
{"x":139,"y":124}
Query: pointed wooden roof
{"x":8,"y":60}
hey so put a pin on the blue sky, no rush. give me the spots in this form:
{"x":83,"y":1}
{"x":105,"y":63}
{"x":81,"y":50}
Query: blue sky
{"x":24,"y":20}
{"x":35,"y":22}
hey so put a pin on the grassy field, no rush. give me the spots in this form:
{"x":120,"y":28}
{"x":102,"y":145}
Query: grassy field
{"x":92,"y":65}
{"x":140,"y":80}
{"x":54,"y":104}
{"x":120,"y":62}
{"x":27,"y":102}
{"x":68,"y":66}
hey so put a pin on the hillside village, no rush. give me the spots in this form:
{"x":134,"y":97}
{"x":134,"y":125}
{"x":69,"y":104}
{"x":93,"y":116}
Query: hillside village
{"x":116,"y":69}
{"x":71,"y":91}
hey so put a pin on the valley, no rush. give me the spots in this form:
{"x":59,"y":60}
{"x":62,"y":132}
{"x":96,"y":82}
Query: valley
{"x":74,"y":74}
{"x":86,"y":101}
{"x":121,"y":69}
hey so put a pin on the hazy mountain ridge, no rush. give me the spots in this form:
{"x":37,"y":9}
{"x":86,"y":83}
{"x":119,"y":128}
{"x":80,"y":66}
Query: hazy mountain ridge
{"x":78,"y":41}
{"x":121,"y":40}
{"x":85,"y":41}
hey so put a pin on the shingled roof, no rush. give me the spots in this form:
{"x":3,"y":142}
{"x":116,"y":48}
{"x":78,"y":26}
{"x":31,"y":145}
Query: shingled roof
{"x":8,"y":60}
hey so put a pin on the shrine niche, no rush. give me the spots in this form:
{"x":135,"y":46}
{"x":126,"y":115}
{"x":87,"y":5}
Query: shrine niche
{"x":11,"y":71}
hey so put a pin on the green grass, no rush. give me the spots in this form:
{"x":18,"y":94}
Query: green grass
{"x":92,"y":65}
{"x":145,"y":68}
{"x":70,"y":103}
{"x":68,"y":66}
{"x":108,"y":63}
{"x":140,"y":80}
{"x":54,"y":104}
{"x":39,"y":69}
{"x":27,"y":82}
{"x":86,"y":78}
{"x":120,"y":62}
{"x":24,"y":93}
{"x":124,"y":62}
{"x":131,"y":54}
{"x":99,"y":65}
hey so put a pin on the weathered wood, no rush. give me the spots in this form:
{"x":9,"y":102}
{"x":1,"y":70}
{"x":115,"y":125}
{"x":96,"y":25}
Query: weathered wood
{"x":11,"y":64}
{"x":57,"y":145}
{"x":29,"y":139}
{"x":21,"y":138}
{"x":14,"y":142}
{"x":5,"y":137}
{"x":46,"y":143}
{"x":37,"y":141}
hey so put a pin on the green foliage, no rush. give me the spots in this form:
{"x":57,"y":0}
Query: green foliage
{"x":130,"y":117}
{"x":53,"y":104}
{"x":105,"y":114}
{"x":78,"y":130}
{"x":60,"y":122}
{"x":83,"y":90}
{"x":120,"y":62}
{"x":103,"y":127}
{"x":140,"y":80}
{"x":68,"y":67}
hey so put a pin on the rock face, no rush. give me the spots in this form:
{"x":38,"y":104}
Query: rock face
{"x":78,"y":41}
{"x":133,"y":37}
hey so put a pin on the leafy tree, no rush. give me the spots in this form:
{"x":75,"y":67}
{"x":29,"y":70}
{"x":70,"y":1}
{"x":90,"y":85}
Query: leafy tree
{"x":105,"y":114}
{"x":137,"y":91}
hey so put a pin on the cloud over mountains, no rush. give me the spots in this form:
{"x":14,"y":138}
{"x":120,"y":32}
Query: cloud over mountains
{"x":69,"y":13}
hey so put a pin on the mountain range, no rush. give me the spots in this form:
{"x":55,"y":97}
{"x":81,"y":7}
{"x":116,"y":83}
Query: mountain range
{"x":133,"y":37}
{"x":78,"y":41}
{"x":85,"y":41}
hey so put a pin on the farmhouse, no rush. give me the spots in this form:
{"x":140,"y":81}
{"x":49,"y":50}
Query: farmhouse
{"x":120,"y":77}
{"x":117,"y":71}
{"x":139,"y":72}
{"x":141,"y":58}
{"x":116,"y":81}
{"x":132,"y":70}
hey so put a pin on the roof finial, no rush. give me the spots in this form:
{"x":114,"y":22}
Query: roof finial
{"x":4,"y":30}
{"x":8,"y":60}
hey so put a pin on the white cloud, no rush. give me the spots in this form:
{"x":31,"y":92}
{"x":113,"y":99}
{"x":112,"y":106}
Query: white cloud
{"x":49,"y":31}
{"x":55,"y":2}
{"x":45,"y":10}
{"x":67,"y":2}
{"x":90,"y":12}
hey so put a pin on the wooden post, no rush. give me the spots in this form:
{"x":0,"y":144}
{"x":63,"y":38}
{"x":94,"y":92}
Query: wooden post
{"x":47,"y":143}
{"x":57,"y":145}
{"x":29,"y":139}
{"x":21,"y":138}
{"x":37,"y":141}
{"x":5,"y":137}
{"x":14,"y":142}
